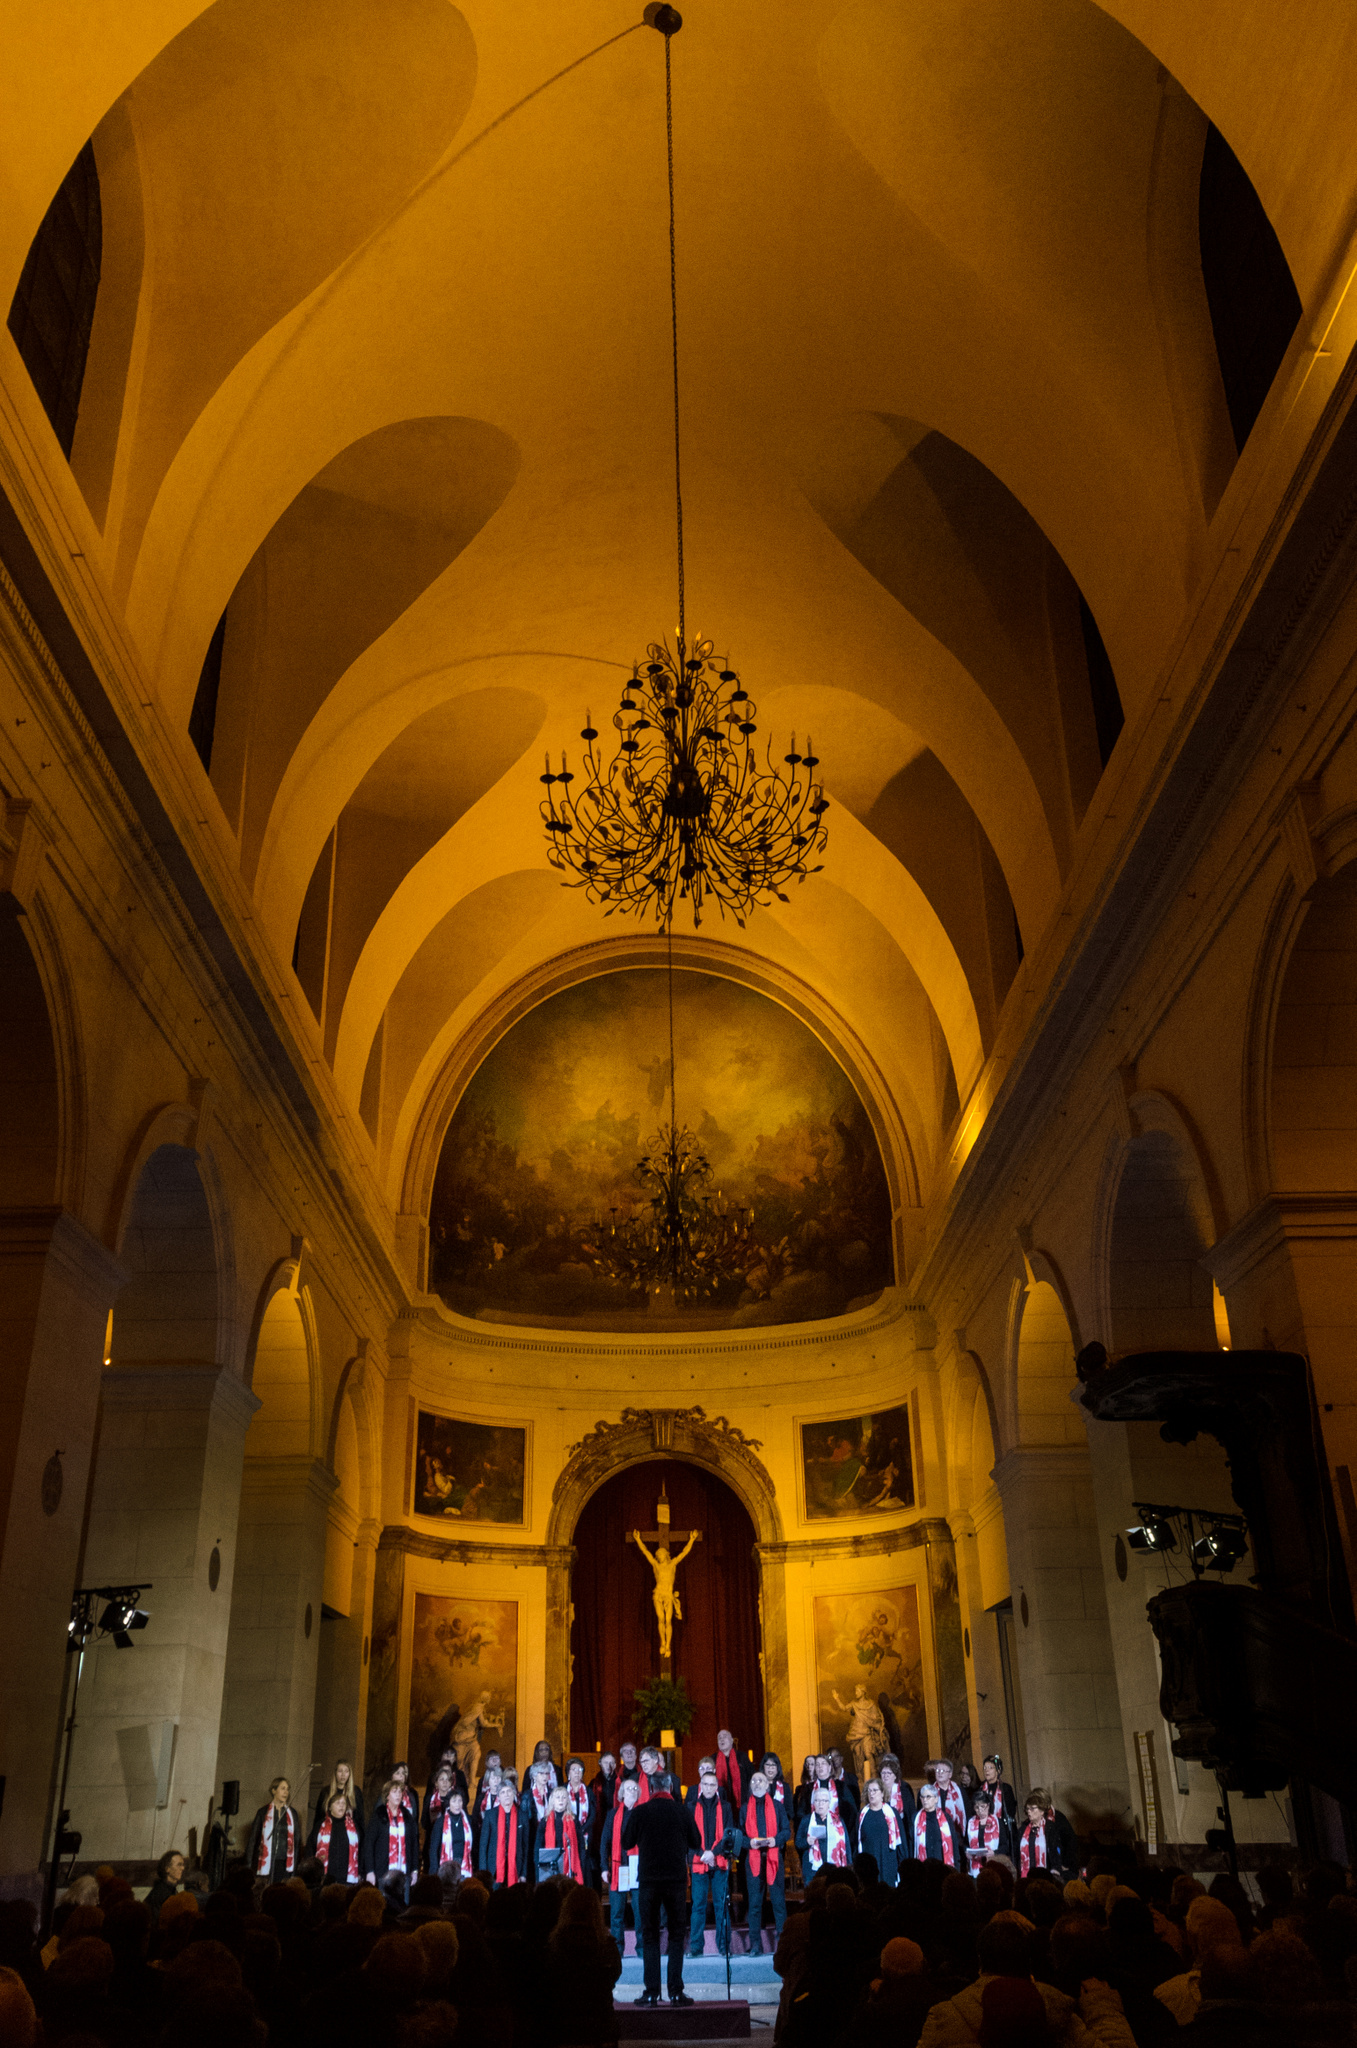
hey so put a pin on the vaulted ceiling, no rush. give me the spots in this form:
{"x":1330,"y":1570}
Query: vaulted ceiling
{"x":378,"y":372}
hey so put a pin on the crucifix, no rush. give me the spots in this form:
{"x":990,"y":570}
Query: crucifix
{"x":665,"y":1565}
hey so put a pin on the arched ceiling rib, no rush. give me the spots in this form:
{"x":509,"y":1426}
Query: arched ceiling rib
{"x":939,"y":349}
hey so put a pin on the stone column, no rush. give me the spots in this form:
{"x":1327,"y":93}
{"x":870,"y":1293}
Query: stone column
{"x":773,"y":1657}
{"x":383,"y":1686}
{"x":560,"y":1662}
{"x":1073,"y":1729}
{"x":163,"y":1511}
{"x":57,"y":1285}
{"x":341,"y":1671}
{"x":269,"y":1700}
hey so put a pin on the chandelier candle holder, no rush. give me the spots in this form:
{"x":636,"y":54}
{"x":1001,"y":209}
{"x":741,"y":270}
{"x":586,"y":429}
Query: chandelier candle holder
{"x":684,"y":810}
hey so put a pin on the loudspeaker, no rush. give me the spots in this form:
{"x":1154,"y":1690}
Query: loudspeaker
{"x":230,"y":1796}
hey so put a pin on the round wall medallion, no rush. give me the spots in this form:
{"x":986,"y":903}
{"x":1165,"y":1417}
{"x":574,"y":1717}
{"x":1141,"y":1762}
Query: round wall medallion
{"x":214,"y":1570}
{"x":365,"y":1649}
{"x":52,"y":1483}
{"x":966,"y":1639}
{"x":1022,"y":1609}
{"x":306,"y":1624}
{"x":1119,"y":1558}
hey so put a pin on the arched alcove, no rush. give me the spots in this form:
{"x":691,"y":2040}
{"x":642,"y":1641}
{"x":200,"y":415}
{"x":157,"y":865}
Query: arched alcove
{"x":614,"y":1641}
{"x":1160,"y":1293}
{"x":1045,"y":1369}
{"x":281,"y":1380}
{"x":29,"y":1096}
{"x":169,"y":1308}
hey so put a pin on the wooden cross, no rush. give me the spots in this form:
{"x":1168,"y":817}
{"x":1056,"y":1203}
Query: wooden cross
{"x":670,"y":1537}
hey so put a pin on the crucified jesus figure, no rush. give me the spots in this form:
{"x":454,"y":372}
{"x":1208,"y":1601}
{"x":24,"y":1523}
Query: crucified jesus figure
{"x":665,"y":1597}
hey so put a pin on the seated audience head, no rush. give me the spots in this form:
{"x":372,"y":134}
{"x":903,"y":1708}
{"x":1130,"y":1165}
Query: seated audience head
{"x":1013,"y":2015}
{"x":902,"y":1958}
{"x":1211,"y":1924}
{"x":367,"y":1907}
{"x":1003,"y":1947}
{"x":397,"y":1970}
{"x":18,"y":2014}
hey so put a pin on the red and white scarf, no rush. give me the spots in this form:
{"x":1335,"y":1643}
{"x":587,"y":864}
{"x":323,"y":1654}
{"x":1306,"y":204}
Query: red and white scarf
{"x":323,"y":1845}
{"x":982,"y":1840}
{"x":835,"y":1850}
{"x":953,"y":1803}
{"x":579,"y":1804}
{"x":265,"y":1862}
{"x":826,"y":1785}
{"x":1032,"y":1849}
{"x":506,"y":1846}
{"x":896,"y":1802}
{"x":767,"y":1826}
{"x":616,"y":1824}
{"x":945,"y":1836}
{"x":559,"y":1832}
{"x":410,"y":1804}
{"x":891,"y":1820}
{"x":730,"y":1777}
{"x":395,"y":1840}
{"x":446,"y":1846}
{"x":718,"y":1822}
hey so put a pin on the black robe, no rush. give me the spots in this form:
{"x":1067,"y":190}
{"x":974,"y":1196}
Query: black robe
{"x":873,"y":1839}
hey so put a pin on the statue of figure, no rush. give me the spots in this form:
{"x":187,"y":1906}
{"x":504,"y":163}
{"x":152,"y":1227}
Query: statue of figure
{"x":866,"y":1736}
{"x":665,"y":1597}
{"x":466,"y":1735}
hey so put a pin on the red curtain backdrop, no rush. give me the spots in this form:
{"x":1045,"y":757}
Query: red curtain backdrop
{"x":615,"y":1638}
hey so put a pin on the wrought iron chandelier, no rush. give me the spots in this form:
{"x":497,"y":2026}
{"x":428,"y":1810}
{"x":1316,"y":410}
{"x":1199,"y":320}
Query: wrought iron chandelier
{"x":688,"y":1238}
{"x":685,"y":809}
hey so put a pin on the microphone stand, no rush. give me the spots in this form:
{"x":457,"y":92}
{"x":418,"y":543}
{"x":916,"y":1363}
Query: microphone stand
{"x":724,"y":1935}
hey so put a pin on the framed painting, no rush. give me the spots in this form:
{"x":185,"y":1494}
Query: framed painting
{"x":470,"y":1471}
{"x":869,"y":1676}
{"x":463,"y":1681}
{"x":858,"y":1465}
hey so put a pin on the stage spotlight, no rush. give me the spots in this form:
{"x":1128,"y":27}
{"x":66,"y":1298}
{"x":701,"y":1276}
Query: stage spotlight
{"x":1220,"y":1549}
{"x":119,"y":1617}
{"x":1153,"y":1534}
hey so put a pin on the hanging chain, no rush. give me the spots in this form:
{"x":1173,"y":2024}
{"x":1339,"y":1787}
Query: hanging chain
{"x":673,"y":328}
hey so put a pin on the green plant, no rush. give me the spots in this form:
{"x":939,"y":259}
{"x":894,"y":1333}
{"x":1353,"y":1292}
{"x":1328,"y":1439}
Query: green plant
{"x":663,"y":1703}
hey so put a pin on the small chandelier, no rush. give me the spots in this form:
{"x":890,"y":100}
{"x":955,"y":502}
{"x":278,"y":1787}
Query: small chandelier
{"x":688,"y":1238}
{"x":685,"y":809}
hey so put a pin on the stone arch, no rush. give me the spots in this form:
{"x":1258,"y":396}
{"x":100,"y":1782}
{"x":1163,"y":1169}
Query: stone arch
{"x":683,"y":1433}
{"x":284,"y":1369}
{"x":30,"y":1087}
{"x":171,"y":1307}
{"x":1157,"y":1222}
{"x":694,"y":1438}
{"x":1043,"y":1367}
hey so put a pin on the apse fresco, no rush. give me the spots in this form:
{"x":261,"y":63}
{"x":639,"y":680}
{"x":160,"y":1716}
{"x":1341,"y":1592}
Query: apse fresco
{"x":537,"y":1184}
{"x":861,"y":1465}
{"x":463,"y":1682}
{"x":869,"y":1675}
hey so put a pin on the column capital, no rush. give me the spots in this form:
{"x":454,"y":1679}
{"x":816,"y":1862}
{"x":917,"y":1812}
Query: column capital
{"x":1043,"y":1463}
{"x":36,"y":1233}
{"x":1277,"y":1221}
{"x":177,"y":1383}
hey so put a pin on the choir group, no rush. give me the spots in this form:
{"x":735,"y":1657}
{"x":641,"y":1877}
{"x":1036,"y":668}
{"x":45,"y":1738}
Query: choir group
{"x":748,"y":1821}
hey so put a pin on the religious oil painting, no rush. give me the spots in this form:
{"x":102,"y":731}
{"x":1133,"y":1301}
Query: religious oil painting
{"x":869,"y":1674}
{"x":544,"y":1198}
{"x":858,"y":1465}
{"x":469,"y":1471}
{"x":463,"y":1682}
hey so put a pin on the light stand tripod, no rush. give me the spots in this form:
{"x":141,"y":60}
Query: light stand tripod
{"x":120,"y":1616}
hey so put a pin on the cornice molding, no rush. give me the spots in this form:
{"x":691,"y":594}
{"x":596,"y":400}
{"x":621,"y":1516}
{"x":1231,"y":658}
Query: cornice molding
{"x":412,"y":1543}
{"x":1277,"y":1221}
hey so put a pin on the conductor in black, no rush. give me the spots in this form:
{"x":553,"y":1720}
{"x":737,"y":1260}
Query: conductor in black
{"x":663,"y":1831}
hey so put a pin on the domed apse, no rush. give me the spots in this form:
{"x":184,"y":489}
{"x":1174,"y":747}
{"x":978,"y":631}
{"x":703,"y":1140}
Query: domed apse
{"x":538,"y":1171}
